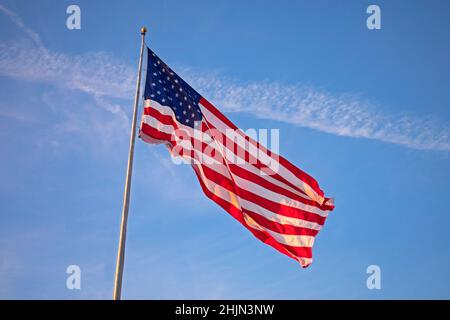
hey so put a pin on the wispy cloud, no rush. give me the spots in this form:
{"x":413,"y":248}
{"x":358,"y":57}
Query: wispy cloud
{"x":103,"y":76}
{"x":340,"y":114}
{"x":21,"y":25}
{"x":98,"y":74}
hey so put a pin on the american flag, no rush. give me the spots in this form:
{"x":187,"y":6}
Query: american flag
{"x":277,"y":202}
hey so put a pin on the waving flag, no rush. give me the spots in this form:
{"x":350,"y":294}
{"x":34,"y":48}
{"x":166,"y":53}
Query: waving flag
{"x":279,"y":203}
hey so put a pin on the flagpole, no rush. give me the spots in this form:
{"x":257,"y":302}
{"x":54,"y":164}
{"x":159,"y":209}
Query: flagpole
{"x":126,"y":194}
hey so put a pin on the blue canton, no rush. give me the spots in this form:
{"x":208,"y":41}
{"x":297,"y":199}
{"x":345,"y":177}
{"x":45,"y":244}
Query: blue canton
{"x":168,"y":89}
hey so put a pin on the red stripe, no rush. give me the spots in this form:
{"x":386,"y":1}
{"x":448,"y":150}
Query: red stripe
{"x":217,"y":113}
{"x":166,"y":119}
{"x":154,"y":133}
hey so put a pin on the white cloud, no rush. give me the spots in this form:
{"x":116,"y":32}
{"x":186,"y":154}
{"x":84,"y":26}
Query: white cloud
{"x":103,"y":76}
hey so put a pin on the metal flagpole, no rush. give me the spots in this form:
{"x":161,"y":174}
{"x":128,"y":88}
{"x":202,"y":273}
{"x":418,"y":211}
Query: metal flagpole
{"x":126,"y":194}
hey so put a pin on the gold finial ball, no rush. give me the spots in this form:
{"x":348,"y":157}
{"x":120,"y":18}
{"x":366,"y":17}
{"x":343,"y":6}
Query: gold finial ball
{"x":143,"y":30}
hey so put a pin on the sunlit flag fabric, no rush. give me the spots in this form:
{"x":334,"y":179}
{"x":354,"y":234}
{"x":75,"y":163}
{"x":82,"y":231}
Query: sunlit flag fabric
{"x":276,"y":201}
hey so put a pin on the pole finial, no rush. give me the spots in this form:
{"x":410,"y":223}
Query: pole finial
{"x":143,"y":30}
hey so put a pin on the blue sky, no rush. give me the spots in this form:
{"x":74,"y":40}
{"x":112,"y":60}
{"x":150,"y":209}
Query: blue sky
{"x":365,"y":112}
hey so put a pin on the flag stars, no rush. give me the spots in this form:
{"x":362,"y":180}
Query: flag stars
{"x":165,"y":87}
